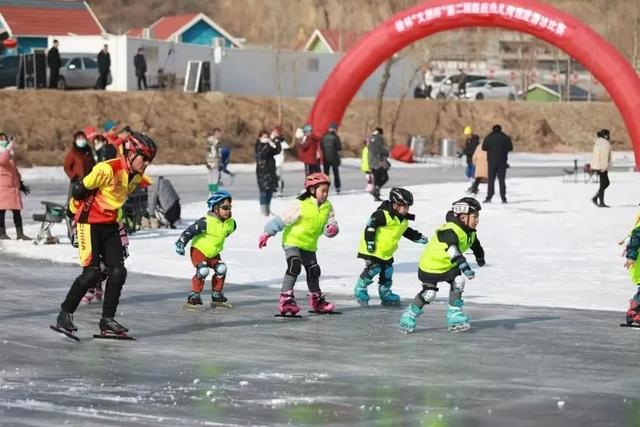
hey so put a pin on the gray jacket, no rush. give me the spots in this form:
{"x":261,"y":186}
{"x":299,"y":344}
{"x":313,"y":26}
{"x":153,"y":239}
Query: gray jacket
{"x":378,"y":153}
{"x":162,"y":193}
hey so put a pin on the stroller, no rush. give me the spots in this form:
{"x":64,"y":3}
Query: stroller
{"x":134,"y":209}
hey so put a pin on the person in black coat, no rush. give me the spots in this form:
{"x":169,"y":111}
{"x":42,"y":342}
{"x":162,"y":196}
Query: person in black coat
{"x":497,"y":145}
{"x":54,"y":63}
{"x":266,"y":149}
{"x":104,"y":67}
{"x":331,"y":147}
{"x":470,"y":146}
{"x":140,"y":64}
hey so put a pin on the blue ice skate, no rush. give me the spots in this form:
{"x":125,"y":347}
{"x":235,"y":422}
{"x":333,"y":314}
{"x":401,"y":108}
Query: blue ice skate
{"x":408,"y":319}
{"x":388,"y":298}
{"x":456,"y":319}
{"x":360,"y":293}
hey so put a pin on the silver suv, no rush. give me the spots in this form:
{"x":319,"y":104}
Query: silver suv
{"x":79,"y":71}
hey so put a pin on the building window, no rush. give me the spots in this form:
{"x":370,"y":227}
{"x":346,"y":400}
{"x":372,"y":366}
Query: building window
{"x":313,"y":64}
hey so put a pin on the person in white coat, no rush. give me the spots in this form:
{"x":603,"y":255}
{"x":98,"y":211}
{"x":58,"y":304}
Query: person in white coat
{"x":276,"y":134}
{"x":601,"y":162}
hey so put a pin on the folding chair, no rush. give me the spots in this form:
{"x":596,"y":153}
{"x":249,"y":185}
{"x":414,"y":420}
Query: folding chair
{"x":571,"y":173}
{"x":54,"y":213}
{"x":589,"y":174}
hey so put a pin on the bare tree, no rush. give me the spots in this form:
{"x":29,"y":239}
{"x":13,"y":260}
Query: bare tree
{"x":403,"y":95}
{"x":386,"y":75}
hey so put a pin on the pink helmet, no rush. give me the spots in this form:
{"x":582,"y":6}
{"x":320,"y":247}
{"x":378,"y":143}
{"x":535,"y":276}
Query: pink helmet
{"x":316,"y":179}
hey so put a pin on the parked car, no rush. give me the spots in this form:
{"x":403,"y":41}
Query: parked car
{"x":491,"y":89}
{"x":78,"y":71}
{"x":448,"y":86}
{"x":9,"y":70}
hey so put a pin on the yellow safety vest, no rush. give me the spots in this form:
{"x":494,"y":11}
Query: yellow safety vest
{"x":435,"y":258}
{"x":211,"y":242}
{"x":305,"y":232}
{"x":364,"y":160}
{"x":387,"y":238}
{"x":634,"y":270}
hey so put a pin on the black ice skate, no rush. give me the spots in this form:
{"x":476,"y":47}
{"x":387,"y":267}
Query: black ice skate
{"x":111,"y":329}
{"x":219,"y":300}
{"x":65,"y":325}
{"x":194,"y":302}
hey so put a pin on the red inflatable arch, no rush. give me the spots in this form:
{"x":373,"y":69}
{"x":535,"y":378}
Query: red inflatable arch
{"x":528,"y":16}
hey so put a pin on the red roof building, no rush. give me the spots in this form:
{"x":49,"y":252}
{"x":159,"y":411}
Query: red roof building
{"x":331,"y":41}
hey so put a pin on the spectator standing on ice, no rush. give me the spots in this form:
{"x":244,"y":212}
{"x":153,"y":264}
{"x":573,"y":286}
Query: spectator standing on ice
{"x":601,"y":162}
{"x":331,"y":147}
{"x":497,"y":145}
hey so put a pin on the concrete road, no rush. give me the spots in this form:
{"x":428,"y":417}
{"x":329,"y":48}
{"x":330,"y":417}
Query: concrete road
{"x":517,"y":366}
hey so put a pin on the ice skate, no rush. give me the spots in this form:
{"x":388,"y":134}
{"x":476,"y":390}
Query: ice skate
{"x":218,"y":300}
{"x":65,"y":325}
{"x":89,"y":297}
{"x":388,"y":298}
{"x":408,"y":319}
{"x":287,"y":305}
{"x":111,"y":329}
{"x":360,"y":293}
{"x":98,"y":293}
{"x":456,"y":319}
{"x":633,"y":314}
{"x":319,"y":305}
{"x":194,"y":302}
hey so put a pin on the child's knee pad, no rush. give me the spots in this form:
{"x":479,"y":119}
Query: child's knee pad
{"x":428,"y":293}
{"x":458,"y":284}
{"x":294,"y":266}
{"x":313,"y":271}
{"x":220,"y":269}
{"x":202,"y":270}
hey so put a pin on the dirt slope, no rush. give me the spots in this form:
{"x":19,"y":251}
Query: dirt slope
{"x":44,"y":121}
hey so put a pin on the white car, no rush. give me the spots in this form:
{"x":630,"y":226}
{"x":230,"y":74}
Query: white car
{"x":490,"y":89}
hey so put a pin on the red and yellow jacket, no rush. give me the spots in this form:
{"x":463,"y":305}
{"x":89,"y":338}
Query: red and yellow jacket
{"x":108,"y":187}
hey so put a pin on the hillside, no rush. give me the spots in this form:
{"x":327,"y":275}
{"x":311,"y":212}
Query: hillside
{"x":44,"y":121}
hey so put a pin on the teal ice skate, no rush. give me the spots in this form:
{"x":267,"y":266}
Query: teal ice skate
{"x":456,"y":319}
{"x":388,"y":298}
{"x":408,"y":319}
{"x":360,"y":293}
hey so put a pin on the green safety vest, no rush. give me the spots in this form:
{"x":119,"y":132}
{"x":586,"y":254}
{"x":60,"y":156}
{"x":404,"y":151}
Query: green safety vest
{"x":435,"y":258}
{"x":211,"y":242}
{"x":364,"y":160}
{"x":387,"y":238}
{"x":304,"y":233}
{"x":634,"y":270}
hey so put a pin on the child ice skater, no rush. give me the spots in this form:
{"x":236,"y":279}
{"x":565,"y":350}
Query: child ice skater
{"x":443,"y":261}
{"x":310,"y":216}
{"x":632,"y":243}
{"x":379,"y":242}
{"x":209,"y":234}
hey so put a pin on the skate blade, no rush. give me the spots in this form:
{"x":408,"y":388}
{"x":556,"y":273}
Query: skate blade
{"x":287,"y":316}
{"x":324,"y":312}
{"x":65,"y":333}
{"x":221,"y":305}
{"x":459,"y":328}
{"x":406,"y":331}
{"x":193,"y":308}
{"x":632,"y":326}
{"x":362,"y":303}
{"x":123,"y":337}
{"x":390,"y":304}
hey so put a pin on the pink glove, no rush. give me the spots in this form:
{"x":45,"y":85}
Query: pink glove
{"x":330,"y":230}
{"x":262,"y":240}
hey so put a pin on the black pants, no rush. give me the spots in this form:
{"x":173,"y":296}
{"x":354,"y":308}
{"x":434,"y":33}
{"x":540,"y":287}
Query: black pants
{"x":604,"y":183}
{"x":501,"y":172}
{"x":311,"y":168}
{"x":17,"y":218}
{"x":173,"y":213}
{"x":101,"y":83}
{"x":380,"y":177}
{"x":431,"y":280}
{"x":142,"y":81}
{"x":475,"y":186}
{"x":54,"y":74}
{"x":106,"y":247}
{"x":336,"y":173}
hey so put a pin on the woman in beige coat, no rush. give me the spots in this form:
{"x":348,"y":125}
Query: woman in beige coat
{"x":481,"y":165}
{"x":601,"y":162}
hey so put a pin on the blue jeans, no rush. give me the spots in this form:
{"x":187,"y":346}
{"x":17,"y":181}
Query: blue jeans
{"x":470,"y":171}
{"x":265,"y":197}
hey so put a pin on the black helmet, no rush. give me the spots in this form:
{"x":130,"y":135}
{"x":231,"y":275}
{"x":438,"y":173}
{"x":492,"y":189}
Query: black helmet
{"x":466,"y":205}
{"x":141,"y":144}
{"x":401,"y":196}
{"x":604,"y":133}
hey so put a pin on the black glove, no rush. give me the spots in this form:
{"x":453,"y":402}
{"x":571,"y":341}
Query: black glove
{"x":26,"y":190}
{"x":480,"y":261}
{"x":78,"y":190}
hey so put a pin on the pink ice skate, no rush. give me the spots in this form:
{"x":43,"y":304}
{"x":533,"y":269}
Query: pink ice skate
{"x":633,"y":313}
{"x":287,"y":304}
{"x":98,"y":293}
{"x":318,"y":304}
{"x":89,"y":297}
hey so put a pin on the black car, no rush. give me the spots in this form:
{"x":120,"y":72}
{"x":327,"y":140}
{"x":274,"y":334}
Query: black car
{"x":9,"y":70}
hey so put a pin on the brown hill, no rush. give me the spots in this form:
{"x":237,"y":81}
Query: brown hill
{"x":44,"y":121}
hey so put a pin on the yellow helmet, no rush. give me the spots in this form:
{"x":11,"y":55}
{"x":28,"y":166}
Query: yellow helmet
{"x":468,"y":131}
